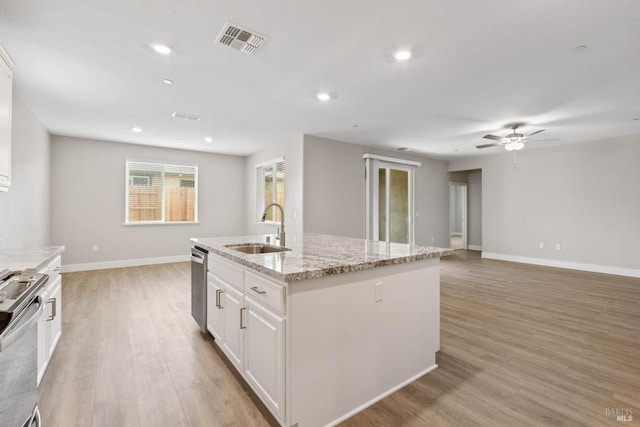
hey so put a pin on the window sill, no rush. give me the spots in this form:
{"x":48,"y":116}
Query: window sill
{"x":151,"y":223}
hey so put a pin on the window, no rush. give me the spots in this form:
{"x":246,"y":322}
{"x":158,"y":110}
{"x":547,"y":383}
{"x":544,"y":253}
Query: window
{"x":161,"y":193}
{"x":271,"y":188}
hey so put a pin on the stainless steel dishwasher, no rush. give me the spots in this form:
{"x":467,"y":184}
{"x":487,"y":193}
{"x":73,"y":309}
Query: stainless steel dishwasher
{"x":199,"y":286}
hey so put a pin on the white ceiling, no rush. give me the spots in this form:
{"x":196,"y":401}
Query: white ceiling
{"x":85,"y":68}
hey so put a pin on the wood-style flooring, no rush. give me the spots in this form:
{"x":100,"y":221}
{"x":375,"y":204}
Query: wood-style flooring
{"x":521,"y":345}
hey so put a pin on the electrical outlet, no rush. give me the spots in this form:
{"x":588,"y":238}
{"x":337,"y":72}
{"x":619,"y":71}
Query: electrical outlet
{"x":95,"y":248}
{"x":557,"y":246}
{"x":433,"y":239}
{"x":378,"y":292}
{"x":541,"y":245}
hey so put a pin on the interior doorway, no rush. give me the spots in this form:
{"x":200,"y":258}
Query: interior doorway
{"x":458,"y":215}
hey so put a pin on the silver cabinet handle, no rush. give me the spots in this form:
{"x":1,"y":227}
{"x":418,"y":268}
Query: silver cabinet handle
{"x":258,"y":291}
{"x":52,"y":301}
{"x":218,"y":292}
{"x":58,"y":269}
{"x":242,"y":325}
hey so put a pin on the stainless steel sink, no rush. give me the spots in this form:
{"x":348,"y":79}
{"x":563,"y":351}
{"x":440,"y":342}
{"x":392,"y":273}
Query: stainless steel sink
{"x":256,"y":248}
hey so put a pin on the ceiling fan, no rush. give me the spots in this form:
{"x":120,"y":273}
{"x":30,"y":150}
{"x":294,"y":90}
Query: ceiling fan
{"x":512,"y":142}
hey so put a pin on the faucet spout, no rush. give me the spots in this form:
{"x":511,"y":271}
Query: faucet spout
{"x":264,"y":218}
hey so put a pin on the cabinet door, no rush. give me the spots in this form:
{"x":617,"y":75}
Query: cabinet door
{"x":233,"y":326}
{"x":215,"y":312}
{"x":43,"y":342}
{"x":264,"y":352}
{"x":55,"y":319}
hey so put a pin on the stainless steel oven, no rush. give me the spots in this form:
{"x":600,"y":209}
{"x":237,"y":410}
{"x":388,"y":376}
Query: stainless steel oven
{"x":19,"y":313}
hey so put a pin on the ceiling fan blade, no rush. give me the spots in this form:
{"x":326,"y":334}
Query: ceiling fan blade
{"x":496,"y":138}
{"x":536,"y":132}
{"x":488,"y":145}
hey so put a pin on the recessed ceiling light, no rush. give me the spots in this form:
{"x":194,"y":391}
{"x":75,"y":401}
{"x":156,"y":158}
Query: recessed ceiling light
{"x":402,"y":55}
{"x":136,"y":129}
{"x":579,"y":49}
{"x":167,"y":81}
{"x":323,"y":96}
{"x":161,"y":48}
{"x":208,"y":140}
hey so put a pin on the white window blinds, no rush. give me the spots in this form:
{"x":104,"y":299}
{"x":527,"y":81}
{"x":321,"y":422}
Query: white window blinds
{"x":271,"y":188}
{"x":161,"y":193}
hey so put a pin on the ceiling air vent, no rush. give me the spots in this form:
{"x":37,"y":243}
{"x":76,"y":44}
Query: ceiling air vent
{"x":239,"y":38}
{"x":186,"y":116}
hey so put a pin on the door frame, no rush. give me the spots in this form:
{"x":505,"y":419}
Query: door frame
{"x":464,"y":208}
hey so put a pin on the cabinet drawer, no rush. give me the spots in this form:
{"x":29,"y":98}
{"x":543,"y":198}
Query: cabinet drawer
{"x":53,"y":269}
{"x":226,"y":271}
{"x":265,"y":291}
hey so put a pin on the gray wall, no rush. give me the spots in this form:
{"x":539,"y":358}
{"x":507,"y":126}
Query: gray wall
{"x":88,"y":201}
{"x":24,"y":210}
{"x":334,"y":191}
{"x":474,"y":208}
{"x":293,"y":212}
{"x":583,"y":196}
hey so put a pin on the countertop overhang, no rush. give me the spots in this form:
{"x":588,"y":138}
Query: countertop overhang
{"x":28,"y":258}
{"x":317,"y":255}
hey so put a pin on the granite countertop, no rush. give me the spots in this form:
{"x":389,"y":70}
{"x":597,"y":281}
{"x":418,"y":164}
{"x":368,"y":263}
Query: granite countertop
{"x":28,"y":258}
{"x":317,"y":255}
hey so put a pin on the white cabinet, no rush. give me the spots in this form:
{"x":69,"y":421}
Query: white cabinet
{"x":6,"y":85}
{"x":215,"y":313}
{"x":241,"y":318}
{"x":264,"y":354}
{"x":55,"y":316}
{"x":233,"y":307}
{"x":50,"y":323}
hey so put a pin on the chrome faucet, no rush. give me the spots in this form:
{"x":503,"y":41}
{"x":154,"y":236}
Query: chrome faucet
{"x":264,"y":218}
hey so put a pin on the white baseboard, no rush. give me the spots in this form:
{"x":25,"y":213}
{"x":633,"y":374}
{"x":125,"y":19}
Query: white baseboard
{"x":70,"y":268}
{"x":474,"y":247}
{"x":594,"y":268}
{"x":382,"y":396}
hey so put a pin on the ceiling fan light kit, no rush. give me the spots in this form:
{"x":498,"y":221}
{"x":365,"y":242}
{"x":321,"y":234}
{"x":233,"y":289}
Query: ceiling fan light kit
{"x":514,"y":146}
{"x":512,"y":142}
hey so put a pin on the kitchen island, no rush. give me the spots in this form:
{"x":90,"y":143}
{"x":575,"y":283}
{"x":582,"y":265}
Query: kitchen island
{"x":328,"y":327}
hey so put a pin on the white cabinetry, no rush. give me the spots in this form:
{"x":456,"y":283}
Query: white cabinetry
{"x":241,"y":318}
{"x":264,"y":354}
{"x":50,"y":324}
{"x":6,"y":85}
{"x":233,"y":344}
{"x":215,"y":315}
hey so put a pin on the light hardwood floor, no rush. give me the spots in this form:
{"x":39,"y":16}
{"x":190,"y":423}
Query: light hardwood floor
{"x":520,"y":346}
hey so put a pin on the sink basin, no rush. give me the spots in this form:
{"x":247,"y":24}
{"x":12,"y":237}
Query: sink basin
{"x":256,"y":248}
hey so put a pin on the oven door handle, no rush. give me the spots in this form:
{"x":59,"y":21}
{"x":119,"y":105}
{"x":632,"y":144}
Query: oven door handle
{"x":22,"y":329}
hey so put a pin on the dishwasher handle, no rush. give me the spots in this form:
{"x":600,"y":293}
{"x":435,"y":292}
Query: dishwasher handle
{"x":198,"y":259}
{"x":24,"y":325}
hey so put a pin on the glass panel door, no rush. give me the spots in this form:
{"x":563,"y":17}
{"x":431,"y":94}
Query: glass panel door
{"x":390,"y":211}
{"x":398,"y":209}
